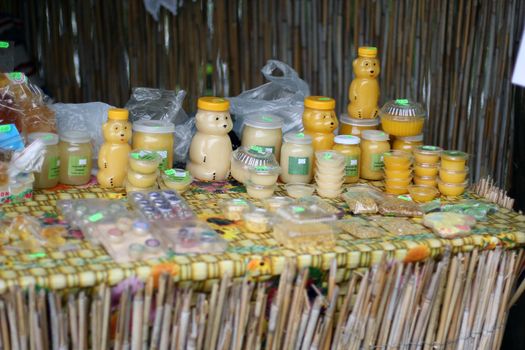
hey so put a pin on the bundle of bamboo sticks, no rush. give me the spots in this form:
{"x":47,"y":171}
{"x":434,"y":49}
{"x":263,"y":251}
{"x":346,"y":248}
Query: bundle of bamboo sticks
{"x":487,"y":189}
{"x":459,"y":302}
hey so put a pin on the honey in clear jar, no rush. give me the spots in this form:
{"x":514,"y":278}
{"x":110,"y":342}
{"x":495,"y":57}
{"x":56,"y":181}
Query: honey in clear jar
{"x":155,"y":135}
{"x":348,"y":145}
{"x":76,"y":155}
{"x":264,"y":131}
{"x":320,"y":121}
{"x":374,"y":144}
{"x":353,"y":126}
{"x":49,"y":174}
{"x":407,"y":143}
{"x":297,"y":158}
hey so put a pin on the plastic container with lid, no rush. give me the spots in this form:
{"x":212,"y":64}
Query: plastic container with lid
{"x":427,"y":154}
{"x":398,"y":182}
{"x":397,"y":160}
{"x":426,"y":180}
{"x":298,"y":226}
{"x":259,"y":191}
{"x":141,"y":180}
{"x":155,"y":135}
{"x":451,"y":189}
{"x":453,"y":176}
{"x":144,"y":162}
{"x":177,"y":179}
{"x":426,"y":169}
{"x":422,"y":194}
{"x":243,"y":158}
{"x":402,"y":117}
{"x":348,"y":145}
{"x":354,"y":126}
{"x":320,"y":121}
{"x":330,"y":174}
{"x":453,"y":160}
{"x":297,"y":158}
{"x":264,"y":175}
{"x":234,"y":208}
{"x":398,"y":174}
{"x":76,"y":153}
{"x":407,"y":143}
{"x":273,"y":204}
{"x":257,"y":220}
{"x":374,"y":144}
{"x":299,"y":190}
{"x":48,"y":176}
{"x":265,"y":131}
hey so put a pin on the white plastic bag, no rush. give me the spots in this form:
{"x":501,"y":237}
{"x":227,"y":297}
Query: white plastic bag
{"x":283,"y":95}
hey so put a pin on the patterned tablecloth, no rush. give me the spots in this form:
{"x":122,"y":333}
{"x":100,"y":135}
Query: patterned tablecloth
{"x":258,"y":255}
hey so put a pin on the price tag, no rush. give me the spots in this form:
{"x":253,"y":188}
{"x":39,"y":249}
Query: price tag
{"x":5,"y":128}
{"x":96,"y":217}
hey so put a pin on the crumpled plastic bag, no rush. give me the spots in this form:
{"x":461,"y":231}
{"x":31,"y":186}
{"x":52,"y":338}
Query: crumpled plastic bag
{"x":85,"y":117}
{"x":165,"y":105}
{"x":283,"y":96}
{"x":153,"y":6}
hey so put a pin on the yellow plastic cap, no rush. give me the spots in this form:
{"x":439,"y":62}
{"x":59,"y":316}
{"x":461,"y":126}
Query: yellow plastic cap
{"x":367,"y":51}
{"x":319,"y":102}
{"x":212,"y":103}
{"x":118,"y":114}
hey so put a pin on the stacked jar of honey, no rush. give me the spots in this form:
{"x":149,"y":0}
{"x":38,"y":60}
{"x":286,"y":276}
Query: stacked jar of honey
{"x":426,"y":165}
{"x":398,"y":171}
{"x":453,"y":173}
{"x":330,"y":173}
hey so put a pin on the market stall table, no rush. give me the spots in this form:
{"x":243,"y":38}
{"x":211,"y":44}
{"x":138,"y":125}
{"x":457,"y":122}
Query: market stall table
{"x":86,"y":265}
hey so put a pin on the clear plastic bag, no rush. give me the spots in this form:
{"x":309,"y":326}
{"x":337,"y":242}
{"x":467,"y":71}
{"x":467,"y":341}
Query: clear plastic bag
{"x":449,"y":225}
{"x":283,"y":96}
{"x":477,"y":209}
{"x":361,"y":199}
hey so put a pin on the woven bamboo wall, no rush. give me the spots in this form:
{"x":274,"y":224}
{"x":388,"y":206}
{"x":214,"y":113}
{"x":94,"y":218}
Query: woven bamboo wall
{"x":455,"y":56}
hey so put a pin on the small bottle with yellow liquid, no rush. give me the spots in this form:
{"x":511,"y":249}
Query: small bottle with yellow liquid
{"x":320,"y":121}
{"x":363,"y":94}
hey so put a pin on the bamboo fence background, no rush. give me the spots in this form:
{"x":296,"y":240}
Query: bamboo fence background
{"x":455,"y":56}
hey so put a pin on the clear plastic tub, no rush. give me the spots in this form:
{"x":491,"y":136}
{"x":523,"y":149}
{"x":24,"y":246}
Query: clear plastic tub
{"x":426,"y":169}
{"x":264,"y":175}
{"x":177,"y":179}
{"x":141,"y":180}
{"x":234,"y":208}
{"x":454,"y":160}
{"x":257,"y":220}
{"x":298,"y":190}
{"x":451,"y":189}
{"x":259,"y":191}
{"x":427,"y":154}
{"x":453,"y":176}
{"x":299,"y":226}
{"x":422,"y":194}
{"x":273,"y":204}
{"x":402,"y":117}
{"x":397,"y":160}
{"x":192,"y":236}
{"x":144,"y":162}
{"x":244,"y":158}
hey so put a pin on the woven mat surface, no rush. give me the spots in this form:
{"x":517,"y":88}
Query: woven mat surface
{"x":258,"y":255}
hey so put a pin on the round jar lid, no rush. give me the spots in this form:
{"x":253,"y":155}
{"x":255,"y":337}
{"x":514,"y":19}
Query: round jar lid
{"x":415,"y":138}
{"x":263,"y":121}
{"x":402,"y":109}
{"x":299,"y":138}
{"x":319,"y":102}
{"x":48,"y":138}
{"x":75,"y":137}
{"x":153,"y":126}
{"x":212,"y":103}
{"x":118,"y":114}
{"x":374,"y":135}
{"x":367,"y":51}
{"x":358,"y":122}
{"x":347,"y":140}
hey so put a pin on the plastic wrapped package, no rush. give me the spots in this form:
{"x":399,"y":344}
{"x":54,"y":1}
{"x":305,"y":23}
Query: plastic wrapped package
{"x":27,"y":233}
{"x":85,"y":117}
{"x":479,"y":210}
{"x":449,"y":225}
{"x":282,"y":96}
{"x":361,"y":199}
{"x":24,"y":104}
{"x":193,"y":236}
{"x":393,"y":206}
{"x":360,"y":228}
{"x":398,"y":226}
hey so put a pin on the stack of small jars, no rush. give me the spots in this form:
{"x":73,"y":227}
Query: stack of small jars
{"x":398,"y":171}
{"x":329,"y":173}
{"x":427,"y":165}
{"x":143,"y":170}
{"x":453,"y":173}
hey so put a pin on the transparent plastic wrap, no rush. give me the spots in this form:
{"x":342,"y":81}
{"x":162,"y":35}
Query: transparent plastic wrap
{"x":361,"y":199}
{"x":26,"y":233}
{"x":282,"y":96}
{"x":164,"y":105}
{"x":477,"y":209}
{"x":85,"y":117}
{"x":193,"y":236}
{"x":24,"y":104}
{"x":449,"y":225}
{"x":393,"y":206}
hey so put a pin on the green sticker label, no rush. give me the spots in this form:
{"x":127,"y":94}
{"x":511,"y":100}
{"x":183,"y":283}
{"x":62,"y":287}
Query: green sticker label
{"x":164,"y":162}
{"x":77,"y":166}
{"x":298,"y":209}
{"x":267,"y":149}
{"x":96,"y":217}
{"x":298,"y":165}
{"x":402,"y":101}
{"x":257,"y":149}
{"x":262,"y":168}
{"x":16,"y":77}
{"x":300,"y":135}
{"x":239,"y":201}
{"x":5,"y":128}
{"x":352,"y":166}
{"x":328,"y":156}
{"x":4,"y":45}
{"x":404,"y":197}
{"x":324,"y":98}
{"x":267,"y":119}
{"x":430,"y":148}
{"x":175,"y":175}
{"x":377,"y":162}
{"x":54,"y":168}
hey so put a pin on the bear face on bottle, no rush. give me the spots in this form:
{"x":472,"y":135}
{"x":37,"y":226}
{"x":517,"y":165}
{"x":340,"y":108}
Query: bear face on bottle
{"x":320,"y":121}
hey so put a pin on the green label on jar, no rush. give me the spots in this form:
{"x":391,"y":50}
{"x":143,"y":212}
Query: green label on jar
{"x":54,"y":168}
{"x":377,"y":162}
{"x":298,"y":165}
{"x":77,"y":166}
{"x":164,"y":162}
{"x":267,"y":149}
{"x":352,"y":166}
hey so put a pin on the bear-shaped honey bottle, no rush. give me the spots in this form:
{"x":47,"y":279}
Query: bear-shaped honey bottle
{"x":363,"y":94}
{"x":114,"y":152}
{"x":320,"y":121}
{"x":211,"y":148}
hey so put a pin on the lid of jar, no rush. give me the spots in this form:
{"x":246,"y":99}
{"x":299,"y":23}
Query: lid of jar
{"x":145,"y":156}
{"x":374,"y":135}
{"x":213,"y":103}
{"x":415,"y":138}
{"x":270,"y":169}
{"x":48,"y":138}
{"x":254,"y":156}
{"x":403,"y":109}
{"x":177,"y":175}
{"x":153,"y":126}
{"x":263,"y":121}
{"x":319,"y":102}
{"x":358,"y":122}
{"x":298,"y":137}
{"x":454,"y":155}
{"x":75,"y":137}
{"x":118,"y":114}
{"x":347,"y":140}
{"x":367,"y":51}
